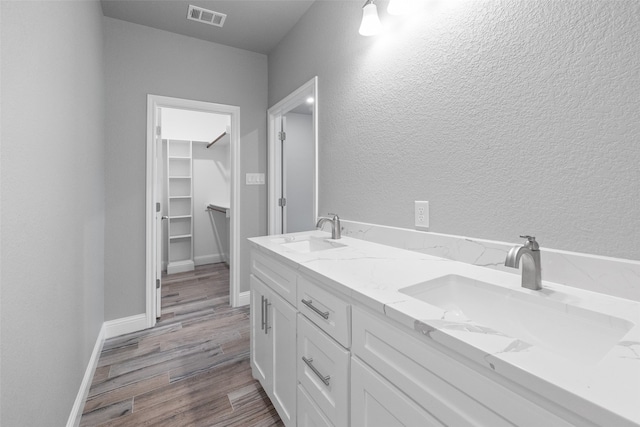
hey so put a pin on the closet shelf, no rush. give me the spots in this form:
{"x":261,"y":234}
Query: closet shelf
{"x":179,"y":178}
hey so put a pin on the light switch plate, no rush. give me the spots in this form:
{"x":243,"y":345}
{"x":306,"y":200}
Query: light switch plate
{"x":421,"y":215}
{"x":255,"y":179}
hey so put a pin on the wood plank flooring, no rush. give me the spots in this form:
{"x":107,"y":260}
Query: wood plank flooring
{"x":191,"y":369}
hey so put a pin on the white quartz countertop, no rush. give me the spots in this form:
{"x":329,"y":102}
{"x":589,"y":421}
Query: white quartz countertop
{"x":371,"y":274}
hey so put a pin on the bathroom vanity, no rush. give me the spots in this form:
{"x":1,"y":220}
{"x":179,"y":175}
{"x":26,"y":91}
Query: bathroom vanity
{"x":352,"y":333}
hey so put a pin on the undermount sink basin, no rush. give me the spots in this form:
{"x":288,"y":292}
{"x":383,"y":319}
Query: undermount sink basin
{"x":565,"y":330}
{"x":307,"y":244}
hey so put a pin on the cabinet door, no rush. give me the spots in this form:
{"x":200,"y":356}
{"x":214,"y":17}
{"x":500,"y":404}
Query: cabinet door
{"x":281,"y":327}
{"x":260,"y":340}
{"x":375,"y":402}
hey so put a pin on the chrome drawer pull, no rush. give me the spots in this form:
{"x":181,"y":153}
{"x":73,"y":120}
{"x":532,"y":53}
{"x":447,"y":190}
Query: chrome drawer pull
{"x":309,"y":303}
{"x":262,"y":312}
{"x":266,"y":316}
{"x":309,"y":362}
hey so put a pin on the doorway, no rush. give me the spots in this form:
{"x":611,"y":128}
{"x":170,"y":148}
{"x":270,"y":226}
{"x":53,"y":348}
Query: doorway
{"x":157,"y":166}
{"x":293,"y":161}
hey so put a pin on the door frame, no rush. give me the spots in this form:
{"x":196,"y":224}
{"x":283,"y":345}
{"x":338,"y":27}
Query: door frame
{"x":154,"y":104}
{"x":274,"y":166}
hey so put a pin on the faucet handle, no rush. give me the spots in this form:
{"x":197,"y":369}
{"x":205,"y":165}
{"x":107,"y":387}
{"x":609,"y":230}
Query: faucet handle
{"x":531,"y":243}
{"x":333,"y":215}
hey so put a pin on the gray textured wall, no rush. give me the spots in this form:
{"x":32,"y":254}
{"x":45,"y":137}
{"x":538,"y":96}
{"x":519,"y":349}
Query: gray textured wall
{"x":52,"y":188}
{"x":140,"y":61}
{"x":509,"y":117}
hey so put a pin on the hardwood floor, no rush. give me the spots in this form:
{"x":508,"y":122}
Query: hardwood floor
{"x":191,"y":369}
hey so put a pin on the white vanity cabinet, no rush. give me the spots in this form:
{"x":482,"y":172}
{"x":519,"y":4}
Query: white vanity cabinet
{"x":327,"y":359}
{"x":299,"y":353}
{"x":273,"y":336}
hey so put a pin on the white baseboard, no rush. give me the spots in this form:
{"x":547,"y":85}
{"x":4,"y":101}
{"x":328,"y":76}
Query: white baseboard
{"x":83,"y":392}
{"x":125,"y":325}
{"x":208,"y":259}
{"x":180,"y":266}
{"x":244,"y":298}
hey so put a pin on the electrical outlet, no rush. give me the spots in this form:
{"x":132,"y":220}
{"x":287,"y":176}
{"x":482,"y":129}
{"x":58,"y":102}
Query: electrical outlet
{"x":421,"y":214}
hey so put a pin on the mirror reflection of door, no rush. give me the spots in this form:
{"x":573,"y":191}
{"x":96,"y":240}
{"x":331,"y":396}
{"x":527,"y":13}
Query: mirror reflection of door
{"x":297,"y":152}
{"x":292,"y":198}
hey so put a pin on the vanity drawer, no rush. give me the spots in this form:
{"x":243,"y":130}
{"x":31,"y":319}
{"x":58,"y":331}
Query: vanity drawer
{"x":331,"y":313}
{"x":276,"y":275}
{"x":309,"y":415}
{"x":323,"y":371}
{"x":452,"y":391}
{"x":375,"y":402}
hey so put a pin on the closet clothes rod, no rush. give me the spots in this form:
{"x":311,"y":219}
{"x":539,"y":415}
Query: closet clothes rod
{"x":216,"y":208}
{"x":216,"y":140}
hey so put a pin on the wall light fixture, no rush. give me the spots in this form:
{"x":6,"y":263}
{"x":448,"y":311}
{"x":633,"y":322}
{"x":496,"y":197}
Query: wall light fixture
{"x":399,"y":7}
{"x":370,"y":25}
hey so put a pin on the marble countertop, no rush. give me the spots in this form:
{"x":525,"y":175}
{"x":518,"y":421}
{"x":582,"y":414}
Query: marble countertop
{"x":371,"y":274}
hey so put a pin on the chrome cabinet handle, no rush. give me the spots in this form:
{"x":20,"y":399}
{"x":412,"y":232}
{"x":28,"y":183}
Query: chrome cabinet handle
{"x":266,"y":316}
{"x":323,"y":378}
{"x":309,"y":303}
{"x":262,"y":312}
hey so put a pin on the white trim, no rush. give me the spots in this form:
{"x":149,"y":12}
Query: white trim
{"x":125,"y":325}
{"x":234,"y":246}
{"x":244,"y":298}
{"x":155,"y":102}
{"x":150,"y":287}
{"x":208,"y":259}
{"x":85,"y":385}
{"x":294,"y":99}
{"x":179,"y":267}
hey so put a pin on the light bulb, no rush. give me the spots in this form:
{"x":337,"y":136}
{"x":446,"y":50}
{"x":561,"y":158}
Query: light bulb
{"x":370,"y":25}
{"x":398,"y":7}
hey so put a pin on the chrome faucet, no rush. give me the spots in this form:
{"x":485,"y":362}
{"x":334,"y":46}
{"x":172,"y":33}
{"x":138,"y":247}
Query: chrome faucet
{"x":335,"y":225}
{"x":531,"y":269}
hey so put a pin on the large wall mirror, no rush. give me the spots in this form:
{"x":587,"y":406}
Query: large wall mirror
{"x":293,"y":161}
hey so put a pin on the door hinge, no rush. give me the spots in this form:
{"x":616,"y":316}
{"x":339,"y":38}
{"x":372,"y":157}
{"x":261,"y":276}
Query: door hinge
{"x":158,"y":130}
{"x":282,"y":136}
{"x":158,"y":207}
{"x":282,"y":202}
{"x":157,"y":283}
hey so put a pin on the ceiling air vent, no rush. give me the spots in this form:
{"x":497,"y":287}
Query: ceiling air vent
{"x":205,"y":16}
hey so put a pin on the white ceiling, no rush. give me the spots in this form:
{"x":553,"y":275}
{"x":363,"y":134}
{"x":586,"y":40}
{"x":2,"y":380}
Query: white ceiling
{"x":255,"y":25}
